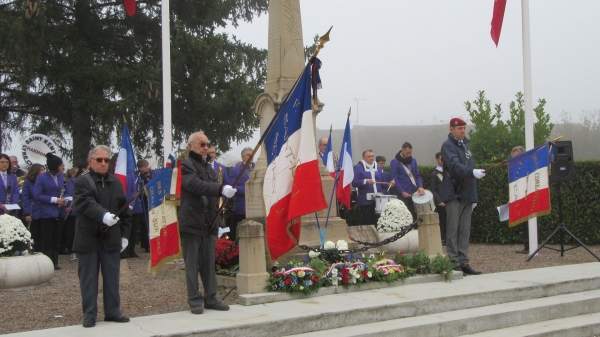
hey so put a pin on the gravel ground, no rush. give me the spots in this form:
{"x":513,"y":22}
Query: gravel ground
{"x":58,"y":303}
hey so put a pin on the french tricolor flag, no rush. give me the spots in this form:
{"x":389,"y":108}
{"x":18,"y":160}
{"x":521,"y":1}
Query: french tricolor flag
{"x":126,"y":162}
{"x":346,"y":169}
{"x":528,"y":188}
{"x":328,"y":158}
{"x":292,"y":186}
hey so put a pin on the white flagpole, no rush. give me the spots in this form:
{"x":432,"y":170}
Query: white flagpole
{"x":533,"y":235}
{"x":166,"y":71}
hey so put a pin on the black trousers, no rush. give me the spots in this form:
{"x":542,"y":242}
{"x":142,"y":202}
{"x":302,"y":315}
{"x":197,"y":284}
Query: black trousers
{"x":51,"y":231}
{"x":233,"y":228}
{"x":90,"y":265}
{"x":525,"y":229}
{"x":136,"y":223}
{"x":36,"y":234}
{"x":368,"y":214}
{"x":68,"y":234}
{"x":441,"y":211}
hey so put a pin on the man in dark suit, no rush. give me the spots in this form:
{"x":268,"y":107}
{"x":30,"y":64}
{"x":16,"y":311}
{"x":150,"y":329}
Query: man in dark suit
{"x":437,"y":176}
{"x":100,"y":236}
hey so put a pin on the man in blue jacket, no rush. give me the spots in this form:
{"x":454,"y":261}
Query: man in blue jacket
{"x":405,"y":171}
{"x":459,"y":194}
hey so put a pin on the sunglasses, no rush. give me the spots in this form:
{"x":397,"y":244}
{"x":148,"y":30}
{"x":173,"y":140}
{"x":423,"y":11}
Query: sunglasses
{"x":99,"y":160}
{"x":203,"y":144}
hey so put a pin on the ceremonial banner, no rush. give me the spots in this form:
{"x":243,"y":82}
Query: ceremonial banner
{"x":163,"y":226}
{"x":529,"y":187}
{"x":126,"y":162}
{"x":346,"y":168}
{"x":497,"y":18}
{"x":292,"y":185}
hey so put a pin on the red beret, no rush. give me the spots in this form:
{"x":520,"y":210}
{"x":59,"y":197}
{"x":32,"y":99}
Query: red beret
{"x":457,"y":121}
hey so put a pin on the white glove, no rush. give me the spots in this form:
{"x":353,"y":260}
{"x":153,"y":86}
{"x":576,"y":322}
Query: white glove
{"x":130,"y":208}
{"x":228,"y":191}
{"x":124,"y":243}
{"x":478,"y":173}
{"x":108,"y":219}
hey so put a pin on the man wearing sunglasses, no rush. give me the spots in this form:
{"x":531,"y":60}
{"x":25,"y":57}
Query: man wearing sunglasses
{"x":100,"y":236}
{"x":200,"y":192}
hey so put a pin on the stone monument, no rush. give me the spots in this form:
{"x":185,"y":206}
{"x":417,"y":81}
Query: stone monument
{"x":285,"y":63}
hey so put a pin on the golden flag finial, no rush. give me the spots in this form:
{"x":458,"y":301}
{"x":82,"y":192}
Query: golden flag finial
{"x":349,"y":110}
{"x":322,"y":41}
{"x":124,"y":119}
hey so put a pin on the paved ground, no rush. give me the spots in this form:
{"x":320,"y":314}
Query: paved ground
{"x":59,"y":304}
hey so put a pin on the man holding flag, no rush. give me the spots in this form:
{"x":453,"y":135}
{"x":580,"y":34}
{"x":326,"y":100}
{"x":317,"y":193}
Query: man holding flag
{"x":200,"y":191}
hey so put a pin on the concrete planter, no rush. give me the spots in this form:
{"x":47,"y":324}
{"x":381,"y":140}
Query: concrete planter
{"x":24,"y":272}
{"x":408,"y":243}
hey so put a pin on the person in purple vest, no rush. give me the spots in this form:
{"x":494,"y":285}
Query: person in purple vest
{"x":219,"y":168}
{"x":31,"y":208}
{"x":9,"y":187}
{"x":369,"y":179}
{"x":239,"y":199}
{"x":405,"y":171}
{"x":51,"y":192}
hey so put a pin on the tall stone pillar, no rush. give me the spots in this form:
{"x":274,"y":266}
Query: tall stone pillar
{"x":285,"y":63}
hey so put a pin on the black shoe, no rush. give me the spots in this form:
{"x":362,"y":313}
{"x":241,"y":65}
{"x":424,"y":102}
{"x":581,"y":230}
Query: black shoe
{"x":147,"y":250}
{"x":197,"y":310}
{"x":219,"y":306}
{"x":457,"y":268}
{"x":118,"y":319}
{"x":468,"y":270}
{"x":133,"y":255}
{"x":57,"y":268}
{"x":89,"y":323}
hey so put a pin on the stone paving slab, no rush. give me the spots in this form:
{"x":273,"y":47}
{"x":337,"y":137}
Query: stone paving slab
{"x":315,"y":312}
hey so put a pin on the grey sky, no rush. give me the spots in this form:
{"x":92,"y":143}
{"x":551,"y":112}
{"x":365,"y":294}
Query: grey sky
{"x":413,"y":61}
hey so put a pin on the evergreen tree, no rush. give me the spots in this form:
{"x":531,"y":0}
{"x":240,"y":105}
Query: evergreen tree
{"x":78,"y":66}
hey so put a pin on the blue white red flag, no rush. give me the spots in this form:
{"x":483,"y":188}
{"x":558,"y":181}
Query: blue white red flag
{"x":346,"y":169}
{"x":292,"y":185}
{"x":162,"y":216}
{"x":126,"y":161}
{"x":328,"y":160}
{"x":529,"y":186}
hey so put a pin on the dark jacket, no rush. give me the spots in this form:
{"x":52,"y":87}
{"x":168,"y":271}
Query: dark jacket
{"x":92,"y":202}
{"x":436,"y":186}
{"x":199,"y":197}
{"x":458,"y":167}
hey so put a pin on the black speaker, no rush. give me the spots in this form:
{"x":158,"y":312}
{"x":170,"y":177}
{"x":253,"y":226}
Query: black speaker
{"x":562,"y":167}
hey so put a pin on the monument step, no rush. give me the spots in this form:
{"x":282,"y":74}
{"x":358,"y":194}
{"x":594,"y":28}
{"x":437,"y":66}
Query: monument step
{"x":576,"y":326}
{"x":479,"y":319}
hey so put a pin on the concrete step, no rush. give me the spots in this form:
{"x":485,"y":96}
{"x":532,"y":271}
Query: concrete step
{"x":576,"y":326}
{"x":479,"y":319}
{"x":430,"y":303}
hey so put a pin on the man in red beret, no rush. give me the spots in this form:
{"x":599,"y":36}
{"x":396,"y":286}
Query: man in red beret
{"x":459,"y":194}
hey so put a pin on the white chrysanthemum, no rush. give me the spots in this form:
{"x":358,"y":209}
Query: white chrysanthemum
{"x":395,"y":215}
{"x":11,"y":231}
{"x":342,"y":245}
{"x":312,"y":254}
{"x":329,"y":245}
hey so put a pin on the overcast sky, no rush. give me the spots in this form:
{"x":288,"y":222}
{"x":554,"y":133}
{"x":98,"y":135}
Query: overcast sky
{"x":417,"y":62}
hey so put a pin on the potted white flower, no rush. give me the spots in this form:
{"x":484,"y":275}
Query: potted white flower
{"x":394,"y":216}
{"x":18,"y":267}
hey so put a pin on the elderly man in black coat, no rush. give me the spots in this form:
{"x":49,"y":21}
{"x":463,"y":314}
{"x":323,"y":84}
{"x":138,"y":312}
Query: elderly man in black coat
{"x":200,"y":192}
{"x":100,"y":236}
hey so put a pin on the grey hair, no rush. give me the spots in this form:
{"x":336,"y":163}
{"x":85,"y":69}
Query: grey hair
{"x":518,"y":149}
{"x":321,"y":141}
{"x":96,"y":148}
{"x":193,"y":136}
{"x":246,"y":149}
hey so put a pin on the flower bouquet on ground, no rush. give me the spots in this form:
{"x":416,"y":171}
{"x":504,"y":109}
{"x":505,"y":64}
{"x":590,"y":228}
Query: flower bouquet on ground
{"x":227,"y":260}
{"x":421,"y":264}
{"x":295,"y":277}
{"x":15,"y":239}
{"x":395,"y":215}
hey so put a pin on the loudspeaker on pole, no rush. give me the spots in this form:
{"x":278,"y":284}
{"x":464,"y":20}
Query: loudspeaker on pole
{"x":563,"y":166}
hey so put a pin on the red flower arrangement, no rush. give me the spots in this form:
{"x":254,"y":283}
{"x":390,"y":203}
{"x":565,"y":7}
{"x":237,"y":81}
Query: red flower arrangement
{"x":230,"y":259}
{"x":288,"y":281}
{"x":345,"y":279}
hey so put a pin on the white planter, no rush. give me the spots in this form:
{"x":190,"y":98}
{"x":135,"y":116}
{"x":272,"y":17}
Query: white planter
{"x":408,"y":243}
{"x":22,"y":272}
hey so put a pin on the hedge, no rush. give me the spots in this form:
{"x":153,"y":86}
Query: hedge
{"x":580,"y":199}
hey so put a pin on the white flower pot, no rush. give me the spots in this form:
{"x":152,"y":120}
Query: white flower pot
{"x":408,"y":243}
{"x":22,"y":272}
